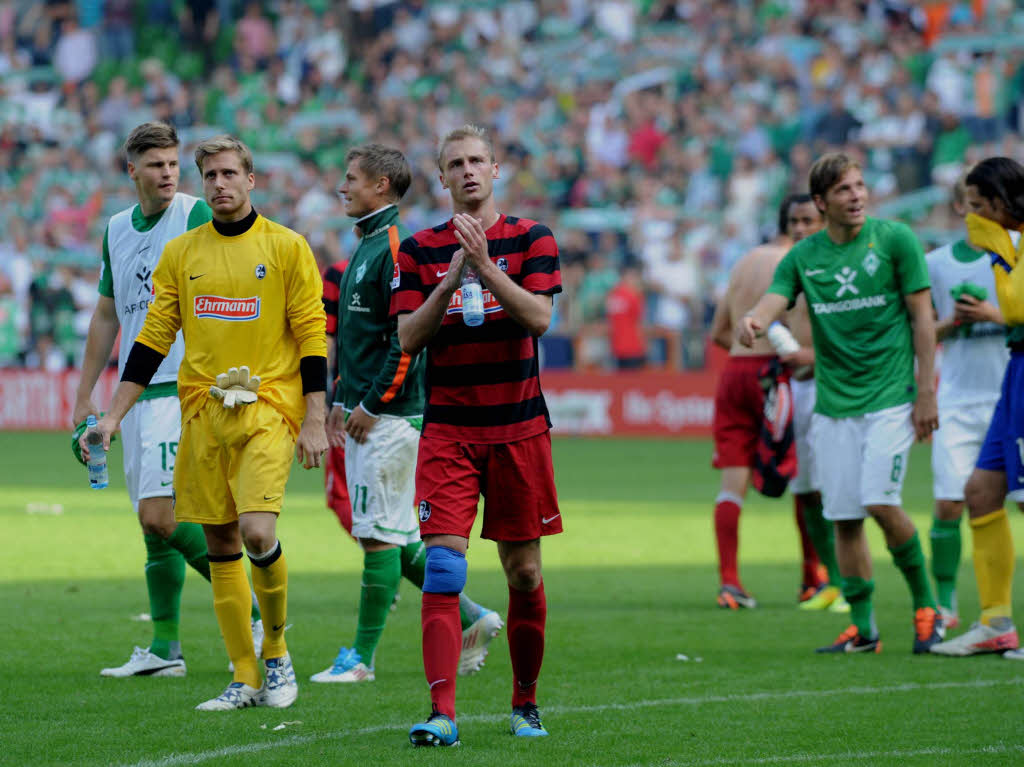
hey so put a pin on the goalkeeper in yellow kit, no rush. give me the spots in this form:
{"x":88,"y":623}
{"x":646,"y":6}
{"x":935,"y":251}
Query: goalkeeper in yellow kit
{"x":245,"y":293}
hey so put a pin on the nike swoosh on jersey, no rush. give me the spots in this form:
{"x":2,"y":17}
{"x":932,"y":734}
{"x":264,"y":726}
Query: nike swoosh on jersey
{"x":546,"y":520}
{"x":812,"y":272}
{"x":441,"y":274}
{"x":196,"y":276}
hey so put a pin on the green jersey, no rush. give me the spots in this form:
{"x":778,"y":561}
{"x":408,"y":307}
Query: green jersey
{"x":372,"y":368}
{"x":863,"y":344}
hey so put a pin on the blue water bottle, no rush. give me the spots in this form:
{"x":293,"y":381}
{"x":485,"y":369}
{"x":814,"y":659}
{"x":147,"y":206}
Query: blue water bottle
{"x":98,"y":478}
{"x":472,"y":299}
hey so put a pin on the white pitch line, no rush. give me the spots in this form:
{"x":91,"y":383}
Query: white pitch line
{"x":847,"y":756}
{"x":173,"y":760}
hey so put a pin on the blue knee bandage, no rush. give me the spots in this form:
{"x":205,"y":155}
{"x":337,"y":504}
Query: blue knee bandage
{"x":445,"y":572}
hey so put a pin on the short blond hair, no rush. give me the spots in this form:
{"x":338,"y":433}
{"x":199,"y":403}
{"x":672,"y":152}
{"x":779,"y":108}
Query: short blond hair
{"x":223,"y":143}
{"x":376,"y":160}
{"x":150,"y":135}
{"x":465,"y":131}
{"x":827,"y":170}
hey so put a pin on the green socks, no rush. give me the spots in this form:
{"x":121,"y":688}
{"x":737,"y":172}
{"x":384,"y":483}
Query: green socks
{"x":188,"y":538}
{"x":165,"y":577}
{"x":382,"y":572}
{"x":414,"y":561}
{"x":823,"y":536}
{"x":946,"y":546}
{"x":910,"y":560}
{"x":857,"y":591}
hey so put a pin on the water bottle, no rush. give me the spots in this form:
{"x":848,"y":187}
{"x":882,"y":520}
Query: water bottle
{"x":98,"y":478}
{"x":782,"y":340}
{"x":472,"y":299}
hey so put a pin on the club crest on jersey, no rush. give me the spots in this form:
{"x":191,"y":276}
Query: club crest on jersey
{"x":503,"y":264}
{"x":231,"y":309}
{"x":424,"y":511}
{"x":491,"y":304}
{"x":871,"y":263}
{"x":396,"y":277}
{"x":261,"y":271}
{"x":360,"y":272}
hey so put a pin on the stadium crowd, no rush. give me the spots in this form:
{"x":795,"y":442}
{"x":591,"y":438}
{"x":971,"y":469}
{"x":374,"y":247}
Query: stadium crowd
{"x":660,"y":135}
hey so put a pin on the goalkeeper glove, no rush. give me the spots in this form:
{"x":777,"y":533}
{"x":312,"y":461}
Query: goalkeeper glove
{"x":236,"y":387}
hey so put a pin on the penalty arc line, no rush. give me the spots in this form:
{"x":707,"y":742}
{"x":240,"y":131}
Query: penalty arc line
{"x":173,"y":760}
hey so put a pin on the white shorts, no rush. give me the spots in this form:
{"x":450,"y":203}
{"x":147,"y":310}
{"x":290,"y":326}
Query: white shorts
{"x":150,"y":433}
{"x":955,"y":447}
{"x":381,"y":476}
{"x":862,"y":461}
{"x":804,"y":397}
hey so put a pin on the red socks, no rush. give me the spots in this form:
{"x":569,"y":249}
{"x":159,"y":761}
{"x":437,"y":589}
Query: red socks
{"x":727,"y":534}
{"x":527,"y":612}
{"x":442,"y":643}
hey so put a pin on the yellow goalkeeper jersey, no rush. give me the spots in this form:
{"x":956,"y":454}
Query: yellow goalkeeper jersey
{"x":250,"y":299}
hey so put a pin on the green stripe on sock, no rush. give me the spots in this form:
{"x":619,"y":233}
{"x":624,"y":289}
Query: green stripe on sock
{"x":382,"y":571}
{"x":946,"y":547}
{"x":910,"y":560}
{"x":165,"y":577}
{"x":857,"y":591}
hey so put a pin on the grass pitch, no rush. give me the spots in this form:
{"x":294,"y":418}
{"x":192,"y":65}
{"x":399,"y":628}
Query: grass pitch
{"x":630,"y":588}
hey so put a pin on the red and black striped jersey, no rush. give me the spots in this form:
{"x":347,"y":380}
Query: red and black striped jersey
{"x":332,"y":284}
{"x":482,"y":383}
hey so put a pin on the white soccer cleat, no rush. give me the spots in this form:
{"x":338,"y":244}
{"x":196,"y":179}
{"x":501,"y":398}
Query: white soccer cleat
{"x":145,"y":663}
{"x":348,"y":666}
{"x":237,"y":695}
{"x":980,"y":638}
{"x":475,"y":640}
{"x":1017,"y":654}
{"x":280,"y":690}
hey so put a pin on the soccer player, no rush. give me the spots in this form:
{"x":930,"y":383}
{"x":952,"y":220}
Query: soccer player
{"x":802,"y":220}
{"x":871,"y":315}
{"x":245,"y":292}
{"x":132,"y":244}
{"x":995,"y":201}
{"x":971,"y":369}
{"x":376,"y":416}
{"x":335,"y":485}
{"x":485,"y":428}
{"x":739,"y":412}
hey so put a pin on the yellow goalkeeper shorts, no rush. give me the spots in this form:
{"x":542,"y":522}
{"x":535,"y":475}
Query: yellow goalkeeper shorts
{"x":231,"y":461}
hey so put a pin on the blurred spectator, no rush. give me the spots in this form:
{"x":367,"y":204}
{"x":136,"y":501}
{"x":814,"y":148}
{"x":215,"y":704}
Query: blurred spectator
{"x":625,"y":310}
{"x":76,"y":53}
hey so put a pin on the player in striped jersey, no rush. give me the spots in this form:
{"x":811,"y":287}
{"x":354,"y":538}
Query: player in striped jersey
{"x":334,"y":462}
{"x":376,"y":417}
{"x":486,"y":427}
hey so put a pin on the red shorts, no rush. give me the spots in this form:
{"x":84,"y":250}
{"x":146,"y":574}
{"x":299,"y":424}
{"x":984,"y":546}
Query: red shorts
{"x":739,"y":411}
{"x":517,"y":481}
{"x":337,"y":489}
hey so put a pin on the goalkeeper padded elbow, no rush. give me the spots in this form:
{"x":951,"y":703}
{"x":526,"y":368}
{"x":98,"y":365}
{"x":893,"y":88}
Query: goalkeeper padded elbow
{"x":236,"y":387}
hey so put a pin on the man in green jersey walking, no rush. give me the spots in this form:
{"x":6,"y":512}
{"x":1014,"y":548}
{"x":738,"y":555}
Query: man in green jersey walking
{"x":870,"y":305}
{"x":377,"y":414}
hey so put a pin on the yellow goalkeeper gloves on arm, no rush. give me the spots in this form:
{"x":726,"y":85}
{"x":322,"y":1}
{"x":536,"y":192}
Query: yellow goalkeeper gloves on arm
{"x":236,"y":387}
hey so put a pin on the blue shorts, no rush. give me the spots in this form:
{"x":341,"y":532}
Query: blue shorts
{"x":1003,"y":449}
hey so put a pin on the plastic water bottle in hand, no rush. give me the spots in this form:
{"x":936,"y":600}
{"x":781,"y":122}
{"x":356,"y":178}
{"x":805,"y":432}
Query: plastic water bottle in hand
{"x":98,"y":478}
{"x":472,"y":299}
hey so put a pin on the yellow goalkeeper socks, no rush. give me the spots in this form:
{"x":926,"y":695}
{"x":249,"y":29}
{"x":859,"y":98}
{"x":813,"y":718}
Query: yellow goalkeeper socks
{"x":270,"y":582}
{"x":232,"y":603}
{"x":993,"y":564}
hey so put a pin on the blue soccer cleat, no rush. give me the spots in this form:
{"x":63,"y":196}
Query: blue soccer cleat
{"x":438,"y":730}
{"x":525,"y":722}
